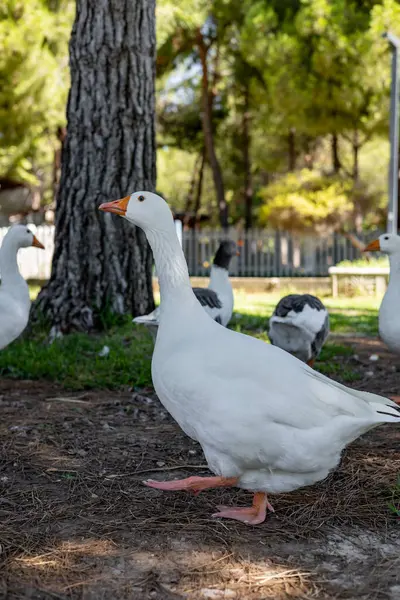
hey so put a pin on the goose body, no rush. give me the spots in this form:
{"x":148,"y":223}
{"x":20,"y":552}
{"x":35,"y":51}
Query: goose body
{"x":15,"y":302}
{"x":389,"y":319}
{"x":216,"y":300}
{"x":265,"y":420}
{"x":300,"y":325}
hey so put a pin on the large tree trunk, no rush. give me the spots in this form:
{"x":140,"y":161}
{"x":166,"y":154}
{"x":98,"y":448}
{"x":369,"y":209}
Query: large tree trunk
{"x":61,"y":133}
{"x":292,"y":149}
{"x":358,"y":216}
{"x":248,"y":190}
{"x":336,"y":164}
{"x":101,"y":263}
{"x":356,"y":150}
{"x":199,"y":190}
{"x":192,"y":186}
{"x":206,"y":116}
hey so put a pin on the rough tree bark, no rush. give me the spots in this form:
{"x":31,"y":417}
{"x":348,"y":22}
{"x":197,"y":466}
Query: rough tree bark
{"x":206,"y":116}
{"x":100,"y":261}
{"x":61,"y":133}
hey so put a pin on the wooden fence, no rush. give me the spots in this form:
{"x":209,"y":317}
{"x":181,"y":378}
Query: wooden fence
{"x":263,"y":253}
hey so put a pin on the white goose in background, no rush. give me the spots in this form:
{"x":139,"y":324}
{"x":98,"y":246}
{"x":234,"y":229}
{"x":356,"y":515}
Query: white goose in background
{"x":217,"y":299}
{"x":300,"y":325}
{"x":266,"y":421}
{"x":389,"y":321}
{"x":15,"y":302}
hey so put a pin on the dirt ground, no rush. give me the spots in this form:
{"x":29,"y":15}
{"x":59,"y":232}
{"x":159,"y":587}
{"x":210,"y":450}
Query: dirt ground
{"x":76,"y":521}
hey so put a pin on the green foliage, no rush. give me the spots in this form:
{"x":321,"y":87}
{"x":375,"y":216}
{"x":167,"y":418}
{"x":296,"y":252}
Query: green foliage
{"x":305,"y":199}
{"x":307,"y":68}
{"x":33,"y":83}
{"x":311,"y":68}
{"x":180,"y":164}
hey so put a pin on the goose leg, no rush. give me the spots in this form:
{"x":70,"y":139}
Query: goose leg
{"x":251,"y":515}
{"x":192,"y":484}
{"x":311,"y":362}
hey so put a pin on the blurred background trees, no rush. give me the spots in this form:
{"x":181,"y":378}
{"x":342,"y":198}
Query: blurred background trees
{"x":269,"y":112}
{"x":34,"y":81}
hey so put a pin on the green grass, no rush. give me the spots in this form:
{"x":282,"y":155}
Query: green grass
{"x":347,"y":315}
{"x":74,"y":360}
{"x":394,"y":505}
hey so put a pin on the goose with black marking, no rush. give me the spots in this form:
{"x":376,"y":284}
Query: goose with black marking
{"x":217,"y":299}
{"x":267,"y":422}
{"x":15,"y":302}
{"x":300,"y":325}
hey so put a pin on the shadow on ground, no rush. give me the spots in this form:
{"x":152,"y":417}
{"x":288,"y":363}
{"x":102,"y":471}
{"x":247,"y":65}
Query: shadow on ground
{"x":76,"y":521}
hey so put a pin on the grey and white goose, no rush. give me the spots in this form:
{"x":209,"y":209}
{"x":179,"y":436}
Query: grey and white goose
{"x":300,"y":325}
{"x":217,"y":299}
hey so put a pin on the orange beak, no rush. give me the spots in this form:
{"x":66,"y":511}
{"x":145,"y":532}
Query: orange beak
{"x":118,"y":207}
{"x":36,"y":243}
{"x":373,"y":246}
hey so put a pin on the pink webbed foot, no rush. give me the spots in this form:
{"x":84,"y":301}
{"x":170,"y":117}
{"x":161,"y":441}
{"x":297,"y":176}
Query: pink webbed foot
{"x":251,"y":515}
{"x":192,"y":484}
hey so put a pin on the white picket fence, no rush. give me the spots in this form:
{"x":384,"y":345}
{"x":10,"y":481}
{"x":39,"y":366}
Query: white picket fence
{"x":266,"y":253}
{"x":263,"y":253}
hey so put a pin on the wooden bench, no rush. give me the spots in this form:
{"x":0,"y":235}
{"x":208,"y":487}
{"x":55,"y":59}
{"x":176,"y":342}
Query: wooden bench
{"x":360,"y":277}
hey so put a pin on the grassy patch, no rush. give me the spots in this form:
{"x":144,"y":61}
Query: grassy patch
{"x":394,"y":504}
{"x":347,"y":315}
{"x":330,"y":363}
{"x":74,"y":360}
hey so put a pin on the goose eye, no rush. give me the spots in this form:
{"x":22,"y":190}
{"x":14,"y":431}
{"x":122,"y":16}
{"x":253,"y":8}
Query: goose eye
{"x":386,"y":237}
{"x":141,"y":198}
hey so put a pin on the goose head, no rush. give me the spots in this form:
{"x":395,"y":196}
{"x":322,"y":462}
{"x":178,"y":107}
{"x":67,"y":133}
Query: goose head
{"x":144,"y":209}
{"x":387,"y":243}
{"x":226,"y":251}
{"x":20,"y":236}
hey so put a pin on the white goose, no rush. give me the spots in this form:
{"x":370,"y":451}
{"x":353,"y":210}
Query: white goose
{"x":15,"y":302}
{"x":389,"y":322}
{"x":300,"y":325}
{"x":217,"y":299}
{"x":265,"y":420}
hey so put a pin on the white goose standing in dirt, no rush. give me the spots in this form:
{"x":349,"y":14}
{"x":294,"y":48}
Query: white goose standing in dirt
{"x":15,"y":302}
{"x":300,"y":325}
{"x":266,"y":421}
{"x":389,"y":321}
{"x":217,"y":299}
